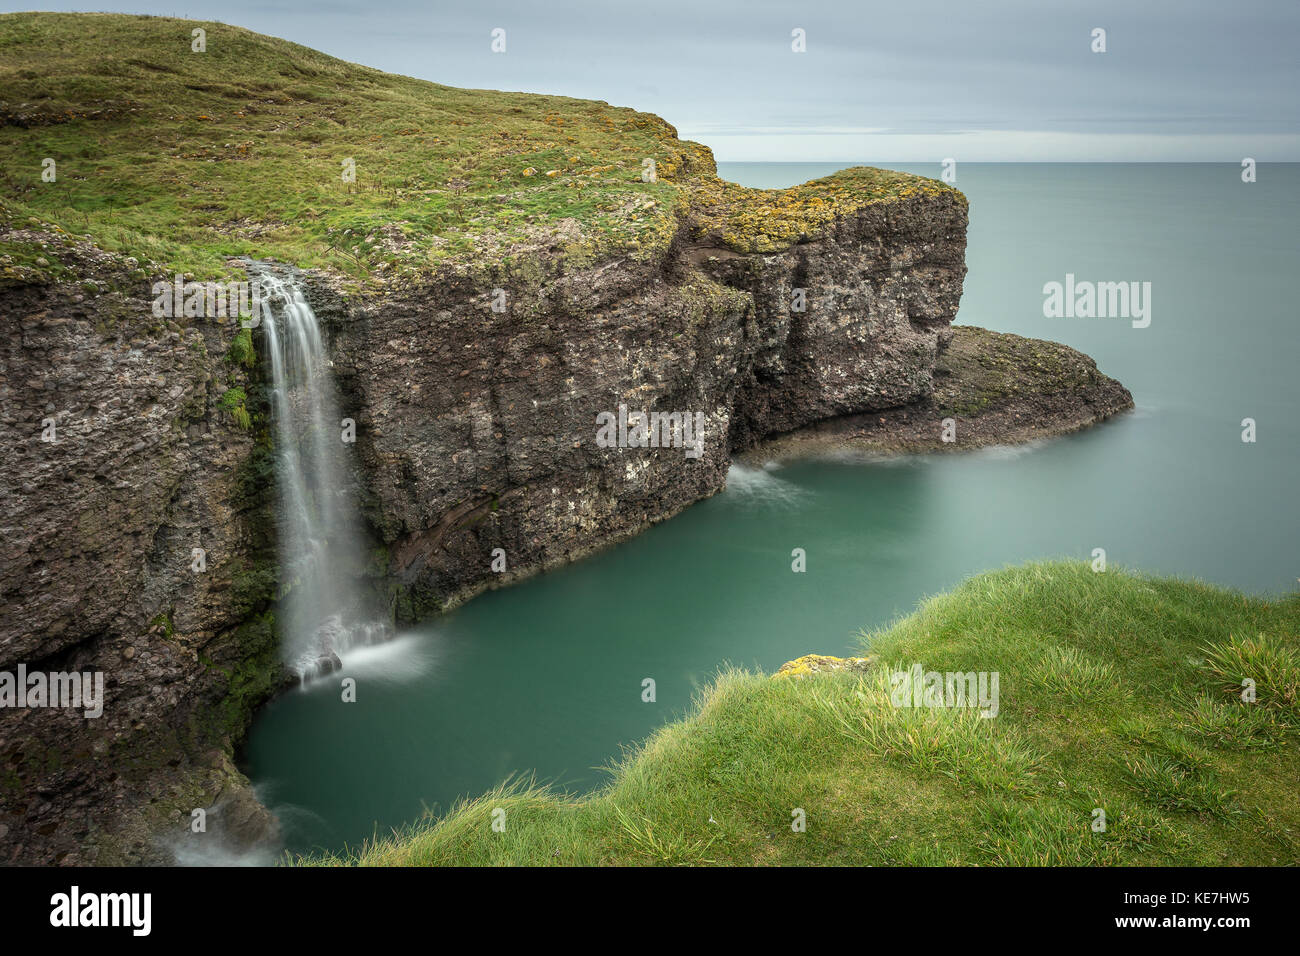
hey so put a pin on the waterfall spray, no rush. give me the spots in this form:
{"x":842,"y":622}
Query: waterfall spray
{"x":324,"y":611}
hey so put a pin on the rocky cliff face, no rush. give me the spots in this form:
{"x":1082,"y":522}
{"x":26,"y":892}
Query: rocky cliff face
{"x":477,"y":430}
{"x":118,"y":464}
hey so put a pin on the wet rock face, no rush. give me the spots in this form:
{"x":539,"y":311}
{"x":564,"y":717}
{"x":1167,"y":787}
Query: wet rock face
{"x":117,"y":465}
{"x":477,"y":429}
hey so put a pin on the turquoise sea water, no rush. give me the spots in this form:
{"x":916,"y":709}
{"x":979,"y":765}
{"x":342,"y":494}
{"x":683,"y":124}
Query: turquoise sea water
{"x":547,"y":676}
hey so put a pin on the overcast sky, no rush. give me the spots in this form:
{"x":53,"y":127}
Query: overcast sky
{"x":910,"y":81}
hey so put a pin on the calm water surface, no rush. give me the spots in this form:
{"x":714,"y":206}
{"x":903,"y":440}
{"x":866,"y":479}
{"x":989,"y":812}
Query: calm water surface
{"x":546,"y":676}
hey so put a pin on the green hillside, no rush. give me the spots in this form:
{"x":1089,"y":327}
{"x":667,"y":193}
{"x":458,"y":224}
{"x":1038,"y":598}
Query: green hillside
{"x":182,"y":157}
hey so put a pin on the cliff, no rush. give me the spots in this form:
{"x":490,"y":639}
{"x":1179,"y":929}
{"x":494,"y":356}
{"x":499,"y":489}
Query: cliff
{"x":476,"y":429}
{"x":502,"y":269}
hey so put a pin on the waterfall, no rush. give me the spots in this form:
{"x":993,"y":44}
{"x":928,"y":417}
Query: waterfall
{"x":323,"y":609}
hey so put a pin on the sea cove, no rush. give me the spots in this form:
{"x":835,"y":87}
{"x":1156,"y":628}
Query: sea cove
{"x":561,"y":658}
{"x":421,"y":451}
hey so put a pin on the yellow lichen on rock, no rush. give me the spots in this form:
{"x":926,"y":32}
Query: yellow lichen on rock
{"x":770,"y":220}
{"x":817,"y":663}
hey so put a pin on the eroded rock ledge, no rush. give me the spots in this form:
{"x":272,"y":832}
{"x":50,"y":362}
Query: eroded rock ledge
{"x":997,"y":388}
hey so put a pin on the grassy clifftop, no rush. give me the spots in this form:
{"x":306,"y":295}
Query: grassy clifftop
{"x":1118,"y":692}
{"x":183,"y":157}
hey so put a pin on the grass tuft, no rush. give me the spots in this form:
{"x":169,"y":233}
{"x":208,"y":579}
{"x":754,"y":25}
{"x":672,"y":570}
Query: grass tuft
{"x":1266,"y":663}
{"x":1174,"y":785}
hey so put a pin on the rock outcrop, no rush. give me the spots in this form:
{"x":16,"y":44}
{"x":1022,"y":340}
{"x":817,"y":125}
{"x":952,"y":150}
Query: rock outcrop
{"x":994,"y":388}
{"x":477,"y":430}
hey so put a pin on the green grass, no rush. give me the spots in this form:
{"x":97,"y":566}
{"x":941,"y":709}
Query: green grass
{"x":1118,"y":692}
{"x":233,"y":400}
{"x":182,"y":158}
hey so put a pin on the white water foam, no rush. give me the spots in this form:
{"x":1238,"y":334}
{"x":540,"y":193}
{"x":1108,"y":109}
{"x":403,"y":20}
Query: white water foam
{"x":763,"y":485}
{"x":406,"y":657}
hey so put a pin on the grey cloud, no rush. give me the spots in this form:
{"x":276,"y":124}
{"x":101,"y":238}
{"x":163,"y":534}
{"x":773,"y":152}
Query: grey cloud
{"x":1192,"y":67}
